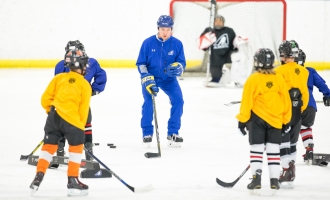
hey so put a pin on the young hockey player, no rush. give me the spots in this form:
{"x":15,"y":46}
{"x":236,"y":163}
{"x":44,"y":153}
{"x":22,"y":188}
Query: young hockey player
{"x":66,"y":101}
{"x":296,"y":78}
{"x":265,"y":107}
{"x":160,"y":61}
{"x":308,"y":116}
{"x":221,"y":49}
{"x":99,"y":77}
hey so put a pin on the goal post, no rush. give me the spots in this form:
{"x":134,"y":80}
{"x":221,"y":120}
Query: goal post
{"x":263,"y":22}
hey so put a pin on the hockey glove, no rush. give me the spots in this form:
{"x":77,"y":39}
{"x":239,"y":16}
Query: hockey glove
{"x":148,"y":81}
{"x":174,"y":69}
{"x":286,"y":128}
{"x":95,"y":92}
{"x":326,"y":100}
{"x":241,"y":128}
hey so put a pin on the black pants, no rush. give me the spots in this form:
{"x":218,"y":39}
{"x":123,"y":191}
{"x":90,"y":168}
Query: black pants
{"x":308,"y":117}
{"x":260,"y":132}
{"x":57,"y":128}
{"x":216,"y":68}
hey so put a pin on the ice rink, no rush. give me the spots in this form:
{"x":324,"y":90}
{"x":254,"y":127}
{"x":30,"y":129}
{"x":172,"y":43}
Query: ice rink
{"x":212,"y":145}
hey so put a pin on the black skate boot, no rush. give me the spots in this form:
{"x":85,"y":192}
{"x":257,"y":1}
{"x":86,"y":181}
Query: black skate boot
{"x":288,"y":175}
{"x":76,"y":188}
{"x":255,"y":183}
{"x":89,"y":147}
{"x":309,"y":154}
{"x":36,"y":182}
{"x":60,"y":150}
{"x":147,"y":140}
{"x":174,"y":140}
{"x":274,"y":185}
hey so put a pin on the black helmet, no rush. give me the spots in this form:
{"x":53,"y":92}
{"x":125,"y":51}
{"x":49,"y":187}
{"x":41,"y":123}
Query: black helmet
{"x":76,"y":59}
{"x":264,"y":59}
{"x":300,"y":59}
{"x":74,"y":45}
{"x":289,"y":49}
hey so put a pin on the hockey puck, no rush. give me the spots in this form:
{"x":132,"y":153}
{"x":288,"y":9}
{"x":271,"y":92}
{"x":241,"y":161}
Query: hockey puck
{"x":112,"y":146}
{"x":96,"y":144}
{"x":109,"y":144}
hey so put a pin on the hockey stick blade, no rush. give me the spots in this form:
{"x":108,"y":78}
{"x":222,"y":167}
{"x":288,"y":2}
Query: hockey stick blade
{"x":230,"y":185}
{"x":143,"y":189}
{"x":151,"y":155}
{"x":24,"y":157}
{"x":226,"y":185}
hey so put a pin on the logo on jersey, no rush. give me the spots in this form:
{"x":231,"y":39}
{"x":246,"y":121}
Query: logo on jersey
{"x":269,"y":84}
{"x":297,"y":71}
{"x":222,"y":42}
{"x":153,"y":50}
{"x":171,"y":53}
{"x":72,"y":80}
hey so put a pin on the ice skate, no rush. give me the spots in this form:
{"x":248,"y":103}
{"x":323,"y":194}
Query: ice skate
{"x":287,"y":177}
{"x":60,"y":150}
{"x":174,"y":140}
{"x":147,"y":141}
{"x":36,"y":182}
{"x":76,"y":188}
{"x":308,"y":157}
{"x":89,"y":148}
{"x":255,"y":184}
{"x":274,"y":185}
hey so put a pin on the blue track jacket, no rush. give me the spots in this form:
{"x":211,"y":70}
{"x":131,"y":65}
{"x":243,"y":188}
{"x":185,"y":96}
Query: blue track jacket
{"x":95,"y":71}
{"x":155,"y":55}
{"x":314,"y":79}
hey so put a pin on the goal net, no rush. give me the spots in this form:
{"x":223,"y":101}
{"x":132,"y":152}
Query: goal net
{"x":263,"y":22}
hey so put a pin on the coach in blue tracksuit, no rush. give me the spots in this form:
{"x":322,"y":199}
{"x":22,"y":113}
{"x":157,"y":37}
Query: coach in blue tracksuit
{"x":160,"y":60}
{"x":308,"y":116}
{"x":99,"y":77}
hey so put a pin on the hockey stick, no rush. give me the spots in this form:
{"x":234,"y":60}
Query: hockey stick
{"x":237,"y":102}
{"x":149,"y":154}
{"x":212,"y":14}
{"x":25,"y":157}
{"x":133,"y":189}
{"x":230,"y":185}
{"x":232,"y":103}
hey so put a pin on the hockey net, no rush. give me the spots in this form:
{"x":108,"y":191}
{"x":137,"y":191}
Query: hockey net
{"x":263,"y":22}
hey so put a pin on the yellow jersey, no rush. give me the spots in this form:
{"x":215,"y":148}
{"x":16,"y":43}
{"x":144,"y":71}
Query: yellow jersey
{"x":296,"y":76}
{"x":70,"y":94}
{"x":267,"y":96}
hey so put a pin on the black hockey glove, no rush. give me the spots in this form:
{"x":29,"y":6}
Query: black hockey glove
{"x":241,"y":128}
{"x":286,"y":128}
{"x":326,"y":100}
{"x":95,"y":92}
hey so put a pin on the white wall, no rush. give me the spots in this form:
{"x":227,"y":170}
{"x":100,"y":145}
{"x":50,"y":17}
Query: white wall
{"x":109,"y":29}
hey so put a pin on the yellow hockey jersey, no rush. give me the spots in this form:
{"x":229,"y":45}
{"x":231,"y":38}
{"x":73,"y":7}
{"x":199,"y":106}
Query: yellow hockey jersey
{"x":267,"y":96}
{"x":296,"y":76}
{"x":70,"y":94}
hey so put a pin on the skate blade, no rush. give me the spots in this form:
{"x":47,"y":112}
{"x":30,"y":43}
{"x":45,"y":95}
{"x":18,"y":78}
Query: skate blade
{"x":273,"y":191}
{"x":255,"y":192}
{"x":76,"y":192}
{"x":146,"y":144}
{"x":174,"y":144}
{"x":287,"y":185}
{"x":33,"y":190}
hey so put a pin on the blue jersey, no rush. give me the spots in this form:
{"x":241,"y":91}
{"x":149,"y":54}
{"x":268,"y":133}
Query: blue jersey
{"x":95,"y":72}
{"x":155,"y":55}
{"x":314,"y":79}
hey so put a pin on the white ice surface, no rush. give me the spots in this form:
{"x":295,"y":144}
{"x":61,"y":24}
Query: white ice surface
{"x":212,"y":146}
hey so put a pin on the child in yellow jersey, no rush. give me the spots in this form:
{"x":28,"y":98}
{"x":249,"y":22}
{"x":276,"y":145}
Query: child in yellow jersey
{"x":296,"y":78}
{"x":66,"y":101}
{"x":265,"y":107}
